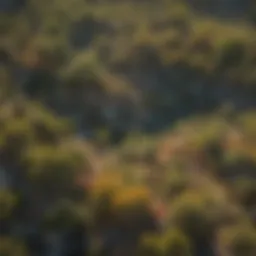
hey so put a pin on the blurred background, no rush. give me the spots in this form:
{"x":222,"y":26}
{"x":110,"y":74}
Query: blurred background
{"x":128,"y":128}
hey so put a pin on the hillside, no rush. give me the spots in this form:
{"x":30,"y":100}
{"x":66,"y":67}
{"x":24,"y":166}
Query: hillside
{"x":202,"y":171}
{"x":154,"y":55}
{"x":128,"y":128}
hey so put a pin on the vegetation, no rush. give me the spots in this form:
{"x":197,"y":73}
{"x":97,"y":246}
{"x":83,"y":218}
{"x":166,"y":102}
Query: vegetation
{"x":239,"y":240}
{"x":83,"y":83}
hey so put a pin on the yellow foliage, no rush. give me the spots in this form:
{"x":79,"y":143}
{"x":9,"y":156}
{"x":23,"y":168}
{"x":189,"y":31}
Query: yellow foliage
{"x":106,"y":184}
{"x":132,"y":197}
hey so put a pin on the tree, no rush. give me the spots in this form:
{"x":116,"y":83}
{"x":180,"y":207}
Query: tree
{"x":65,"y":214}
{"x":239,"y":240}
{"x":12,"y":247}
{"x":232,"y":54}
{"x":176,"y":183}
{"x":176,"y":243}
{"x":193,"y":214}
{"x":172,"y":242}
{"x":245,"y":191}
{"x":7,"y":203}
{"x":102,"y":194}
{"x":132,"y":207}
{"x":150,"y":245}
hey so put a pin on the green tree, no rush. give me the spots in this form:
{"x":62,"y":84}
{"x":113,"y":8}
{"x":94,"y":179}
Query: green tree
{"x":176,"y":183}
{"x":65,"y":214}
{"x":239,"y":240}
{"x":245,"y":191}
{"x":150,"y":245}
{"x":193,"y":214}
{"x":12,"y":247}
{"x":232,"y":54}
{"x":7,"y":203}
{"x":176,"y":243}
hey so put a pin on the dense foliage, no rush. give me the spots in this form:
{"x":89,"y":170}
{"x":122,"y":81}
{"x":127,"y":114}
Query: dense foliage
{"x":83,"y":82}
